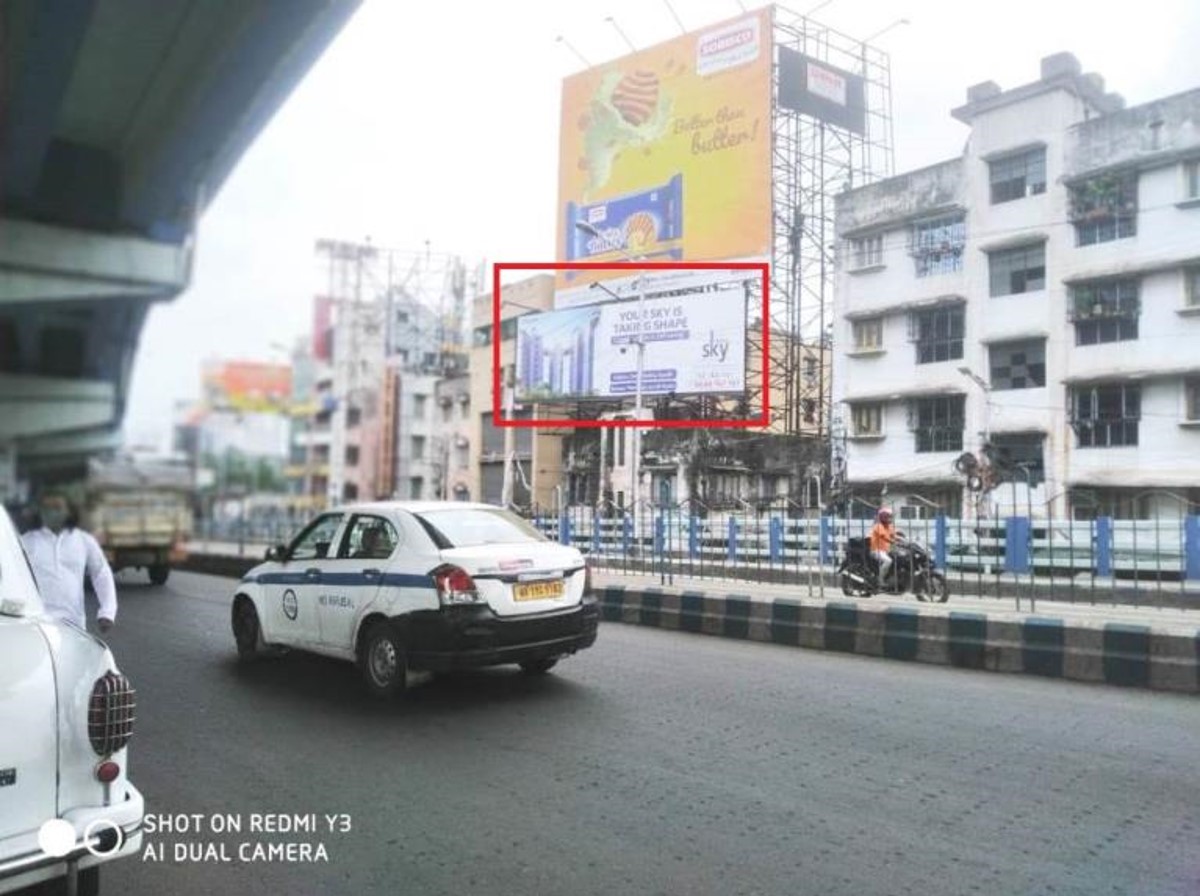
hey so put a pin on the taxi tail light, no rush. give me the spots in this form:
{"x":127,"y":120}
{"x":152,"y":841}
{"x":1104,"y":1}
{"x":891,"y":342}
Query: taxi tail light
{"x":111,"y":713}
{"x":107,"y":772}
{"x":454,"y":585}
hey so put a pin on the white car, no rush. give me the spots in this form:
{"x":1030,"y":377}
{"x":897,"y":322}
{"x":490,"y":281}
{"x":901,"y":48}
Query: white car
{"x":401,"y":587}
{"x":66,"y":715}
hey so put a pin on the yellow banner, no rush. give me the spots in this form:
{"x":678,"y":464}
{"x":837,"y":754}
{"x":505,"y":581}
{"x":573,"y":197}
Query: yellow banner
{"x":667,"y":152}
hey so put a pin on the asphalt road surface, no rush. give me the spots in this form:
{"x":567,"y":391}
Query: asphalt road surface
{"x":656,"y":762}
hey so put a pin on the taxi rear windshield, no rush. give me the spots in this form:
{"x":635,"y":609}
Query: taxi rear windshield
{"x":469,"y":528}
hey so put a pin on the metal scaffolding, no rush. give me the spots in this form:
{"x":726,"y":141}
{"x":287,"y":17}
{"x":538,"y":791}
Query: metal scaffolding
{"x":812,"y":161}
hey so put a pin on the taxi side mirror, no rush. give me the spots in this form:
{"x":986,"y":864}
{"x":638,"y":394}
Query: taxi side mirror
{"x":277,"y":553}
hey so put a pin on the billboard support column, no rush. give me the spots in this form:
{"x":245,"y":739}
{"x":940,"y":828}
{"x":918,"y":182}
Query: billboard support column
{"x":506,"y":489}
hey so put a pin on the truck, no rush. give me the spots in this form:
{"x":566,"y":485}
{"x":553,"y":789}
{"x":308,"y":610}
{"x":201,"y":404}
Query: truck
{"x":141,"y":513}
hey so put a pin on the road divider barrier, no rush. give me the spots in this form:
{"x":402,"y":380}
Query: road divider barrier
{"x":1102,"y":652}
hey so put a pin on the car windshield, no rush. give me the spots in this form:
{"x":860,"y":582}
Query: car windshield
{"x":462,"y":528}
{"x":18,"y":592}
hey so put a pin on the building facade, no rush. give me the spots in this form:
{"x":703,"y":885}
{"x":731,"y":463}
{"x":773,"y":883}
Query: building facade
{"x":452,"y":441}
{"x":537,"y":454}
{"x":1017,"y":328}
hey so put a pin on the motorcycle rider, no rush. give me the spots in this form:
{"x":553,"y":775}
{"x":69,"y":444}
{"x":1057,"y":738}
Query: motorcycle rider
{"x":883,"y":536}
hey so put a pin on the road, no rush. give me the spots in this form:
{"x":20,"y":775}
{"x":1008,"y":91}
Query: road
{"x":657,"y":762}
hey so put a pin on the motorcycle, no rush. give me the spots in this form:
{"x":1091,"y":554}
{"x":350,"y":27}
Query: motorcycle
{"x":912,"y":570}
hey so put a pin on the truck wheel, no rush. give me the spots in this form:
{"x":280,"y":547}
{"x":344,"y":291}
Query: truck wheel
{"x":382,"y":660}
{"x":159,"y":573}
{"x":246,"y":630}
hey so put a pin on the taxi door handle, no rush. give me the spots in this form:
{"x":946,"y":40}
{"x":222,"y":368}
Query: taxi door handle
{"x":371,"y":573}
{"x":312,"y":573}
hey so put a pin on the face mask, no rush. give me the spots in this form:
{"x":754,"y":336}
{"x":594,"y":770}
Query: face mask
{"x":54,"y":519}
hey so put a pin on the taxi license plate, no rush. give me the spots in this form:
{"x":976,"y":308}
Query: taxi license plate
{"x":538,"y":591}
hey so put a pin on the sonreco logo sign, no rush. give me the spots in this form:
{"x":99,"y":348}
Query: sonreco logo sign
{"x":728,"y":47}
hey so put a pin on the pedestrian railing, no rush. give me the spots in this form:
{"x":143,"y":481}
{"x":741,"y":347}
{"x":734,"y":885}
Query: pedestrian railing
{"x":1153,"y":562}
{"x":1100,"y":560}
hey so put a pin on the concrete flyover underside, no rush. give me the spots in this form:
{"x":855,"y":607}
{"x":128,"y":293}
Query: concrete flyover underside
{"x":117,"y":127}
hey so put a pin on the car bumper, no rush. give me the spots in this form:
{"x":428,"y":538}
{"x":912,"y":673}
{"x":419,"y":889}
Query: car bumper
{"x":23,"y":863}
{"x":473,"y":636}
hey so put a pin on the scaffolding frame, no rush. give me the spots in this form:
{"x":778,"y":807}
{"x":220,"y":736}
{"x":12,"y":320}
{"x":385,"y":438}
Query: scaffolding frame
{"x":811,"y":162}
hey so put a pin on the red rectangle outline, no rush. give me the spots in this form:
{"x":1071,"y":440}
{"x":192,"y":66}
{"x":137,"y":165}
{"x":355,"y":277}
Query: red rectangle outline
{"x":498,"y":418}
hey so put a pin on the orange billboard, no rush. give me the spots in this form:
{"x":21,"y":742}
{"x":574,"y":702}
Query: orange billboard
{"x":665,"y":154}
{"x":248,"y":385}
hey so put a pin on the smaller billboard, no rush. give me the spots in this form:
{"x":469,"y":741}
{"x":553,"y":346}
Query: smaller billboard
{"x":816,"y":88}
{"x":247,"y":385}
{"x":693,"y":344}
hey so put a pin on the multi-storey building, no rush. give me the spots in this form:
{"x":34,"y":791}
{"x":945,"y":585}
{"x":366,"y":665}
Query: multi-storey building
{"x":452,"y":442}
{"x":536,"y":472}
{"x":1036,"y":303}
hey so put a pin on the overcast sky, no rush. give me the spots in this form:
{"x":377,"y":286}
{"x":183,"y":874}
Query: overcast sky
{"x":438,"y":121}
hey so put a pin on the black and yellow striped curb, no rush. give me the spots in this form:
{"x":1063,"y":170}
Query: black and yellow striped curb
{"x":1105,"y":652}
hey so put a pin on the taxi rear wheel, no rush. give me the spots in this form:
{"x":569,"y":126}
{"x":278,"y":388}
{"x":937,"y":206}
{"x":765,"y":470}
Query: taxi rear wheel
{"x":539,"y":667}
{"x":382,"y":660}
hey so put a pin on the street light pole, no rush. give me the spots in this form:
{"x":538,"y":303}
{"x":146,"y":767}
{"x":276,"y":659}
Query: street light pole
{"x":636,"y":463}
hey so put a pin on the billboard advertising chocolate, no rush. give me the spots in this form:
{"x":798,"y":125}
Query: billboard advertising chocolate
{"x":665,"y":154}
{"x":692,"y":346}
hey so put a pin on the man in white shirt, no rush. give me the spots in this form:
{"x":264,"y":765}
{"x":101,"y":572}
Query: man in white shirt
{"x":61,"y":554}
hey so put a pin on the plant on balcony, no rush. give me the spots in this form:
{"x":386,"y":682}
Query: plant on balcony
{"x":1103,"y":197}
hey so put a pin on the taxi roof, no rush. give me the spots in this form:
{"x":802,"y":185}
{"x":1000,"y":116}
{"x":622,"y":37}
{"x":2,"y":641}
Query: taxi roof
{"x":411,"y":506}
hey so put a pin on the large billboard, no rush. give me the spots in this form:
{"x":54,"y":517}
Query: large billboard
{"x":666,"y":154}
{"x":693,"y":345}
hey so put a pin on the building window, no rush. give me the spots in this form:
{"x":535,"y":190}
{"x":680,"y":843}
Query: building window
{"x":867,"y":419}
{"x":1106,"y":416}
{"x":462,"y":455}
{"x":868,"y":334}
{"x":1016,"y":456}
{"x":1014,"y":271}
{"x":938,"y":333}
{"x":1104,"y":209}
{"x":482,"y":336}
{"x":810,"y":369}
{"x":1191,"y":287}
{"x":1191,"y":400}
{"x":352,"y":455}
{"x":1017,"y":176}
{"x":938,"y":423}
{"x":353,"y":417}
{"x":419,"y":402}
{"x":418,"y":447}
{"x":447,"y":410}
{"x":1115,"y":503}
{"x":1018,"y":365}
{"x":1105,"y":311}
{"x":1191,"y":179}
{"x":866,"y":252}
{"x":810,"y":410}
{"x":508,"y":329}
{"x":938,"y":244}
{"x":350,"y":491}
{"x":416,"y":485}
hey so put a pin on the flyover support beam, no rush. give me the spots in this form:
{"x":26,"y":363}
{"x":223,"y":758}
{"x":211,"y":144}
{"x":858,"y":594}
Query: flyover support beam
{"x":43,"y":263}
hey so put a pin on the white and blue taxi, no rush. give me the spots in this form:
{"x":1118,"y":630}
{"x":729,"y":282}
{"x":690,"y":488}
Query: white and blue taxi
{"x":66,"y":717}
{"x":404,"y":587}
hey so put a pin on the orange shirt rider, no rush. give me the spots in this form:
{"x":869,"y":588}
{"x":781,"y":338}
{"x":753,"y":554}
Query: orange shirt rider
{"x":883,"y":534}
